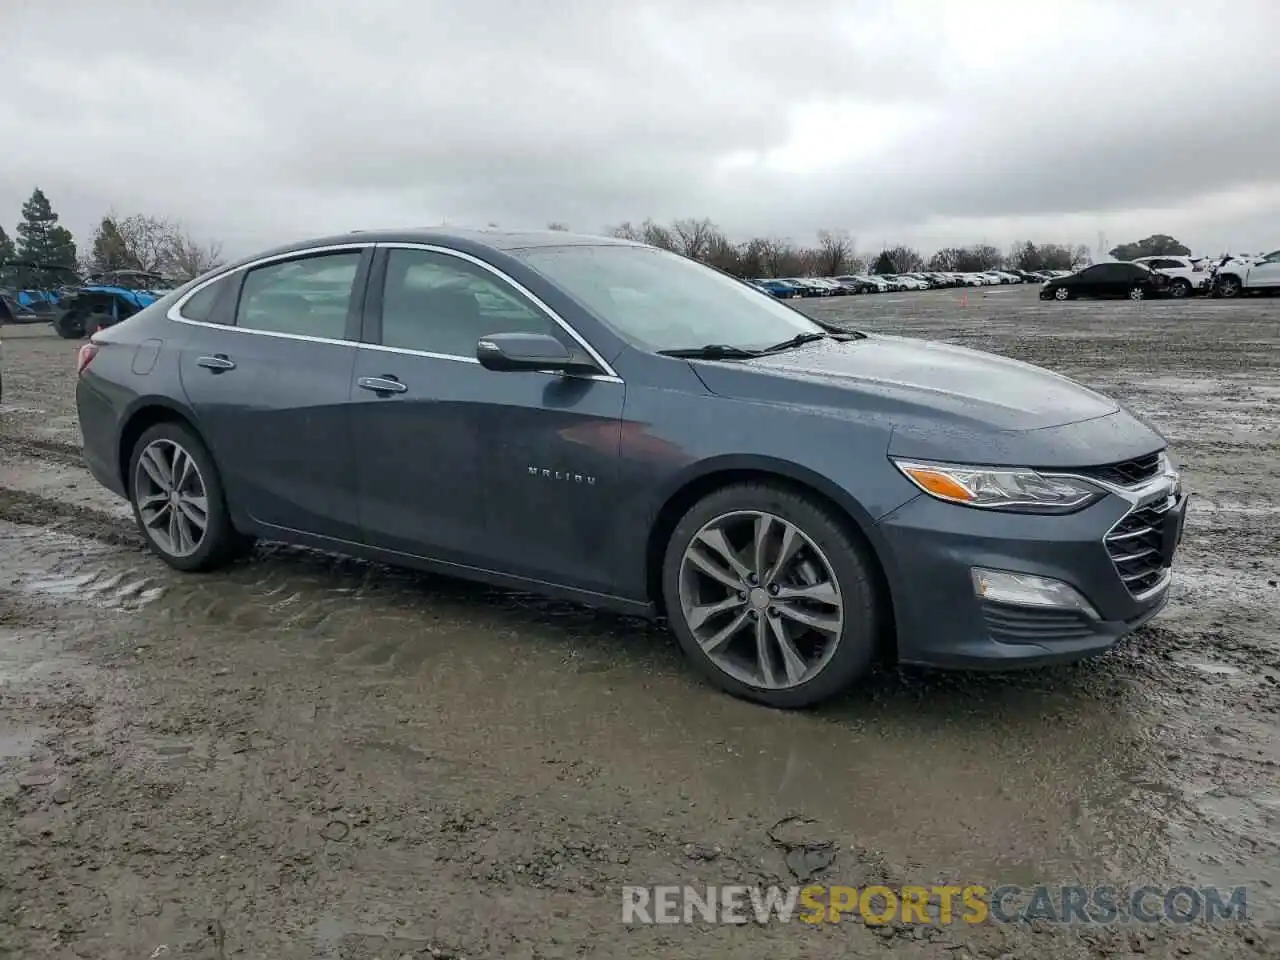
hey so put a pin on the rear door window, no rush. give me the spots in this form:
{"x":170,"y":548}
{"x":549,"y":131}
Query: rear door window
{"x":308,"y":297}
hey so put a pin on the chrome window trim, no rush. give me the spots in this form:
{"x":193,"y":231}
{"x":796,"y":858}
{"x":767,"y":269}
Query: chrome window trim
{"x":174,"y":312}
{"x":610,"y":375}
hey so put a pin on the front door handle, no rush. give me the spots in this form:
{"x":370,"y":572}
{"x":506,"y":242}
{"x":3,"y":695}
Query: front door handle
{"x":217,"y":363}
{"x":382,"y":385}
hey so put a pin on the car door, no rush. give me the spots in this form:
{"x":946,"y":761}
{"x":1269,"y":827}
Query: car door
{"x":268,"y":377}
{"x":510,"y":471}
{"x":1267,"y":272}
{"x":1088,"y":282}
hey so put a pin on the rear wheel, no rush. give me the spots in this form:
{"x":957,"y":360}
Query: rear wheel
{"x":178,"y":501}
{"x":1180,"y":288}
{"x":770,"y":597}
{"x":1137,"y":293}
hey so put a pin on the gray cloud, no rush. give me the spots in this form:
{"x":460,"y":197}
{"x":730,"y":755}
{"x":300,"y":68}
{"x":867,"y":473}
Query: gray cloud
{"x":261,"y":121}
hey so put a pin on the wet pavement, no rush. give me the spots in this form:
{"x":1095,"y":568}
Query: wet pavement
{"x":309,"y":756}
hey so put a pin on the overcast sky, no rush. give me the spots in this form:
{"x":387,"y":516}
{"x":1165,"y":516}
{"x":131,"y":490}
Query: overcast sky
{"x":929,"y":122}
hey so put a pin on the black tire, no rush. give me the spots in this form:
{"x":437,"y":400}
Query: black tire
{"x":1180,"y":289}
{"x":69,"y":326}
{"x":1229,"y":286}
{"x":221,"y":543}
{"x":851,"y":563}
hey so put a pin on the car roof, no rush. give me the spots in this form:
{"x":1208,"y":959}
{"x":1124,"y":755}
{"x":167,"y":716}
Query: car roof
{"x":462,"y":239}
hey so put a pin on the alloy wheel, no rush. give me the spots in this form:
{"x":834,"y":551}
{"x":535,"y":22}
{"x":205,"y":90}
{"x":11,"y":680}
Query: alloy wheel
{"x":761,"y":599}
{"x":1136,"y":293}
{"x":1061,"y":293}
{"x":1180,"y":289}
{"x":1229,"y":287}
{"x":172,"y":499}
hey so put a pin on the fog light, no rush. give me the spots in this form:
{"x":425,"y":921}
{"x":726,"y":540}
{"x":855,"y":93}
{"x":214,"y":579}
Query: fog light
{"x":1027,"y":590}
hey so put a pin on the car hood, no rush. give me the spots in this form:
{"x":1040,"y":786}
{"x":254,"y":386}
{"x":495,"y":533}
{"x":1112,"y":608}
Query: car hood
{"x":900,"y":378}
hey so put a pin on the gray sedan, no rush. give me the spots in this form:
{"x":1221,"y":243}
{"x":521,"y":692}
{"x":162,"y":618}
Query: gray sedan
{"x":617,"y":425}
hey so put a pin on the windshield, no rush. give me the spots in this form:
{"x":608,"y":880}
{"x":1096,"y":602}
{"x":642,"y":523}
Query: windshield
{"x":661,"y":301}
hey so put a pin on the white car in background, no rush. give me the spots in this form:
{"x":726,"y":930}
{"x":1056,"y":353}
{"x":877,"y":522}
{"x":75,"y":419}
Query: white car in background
{"x":974,"y":279}
{"x":1187,"y":275}
{"x":1253,"y":274}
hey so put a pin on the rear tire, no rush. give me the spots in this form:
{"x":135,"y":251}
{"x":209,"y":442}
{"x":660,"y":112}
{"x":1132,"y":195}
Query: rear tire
{"x":178,"y":500}
{"x":806,"y":627}
{"x":1179,"y":289}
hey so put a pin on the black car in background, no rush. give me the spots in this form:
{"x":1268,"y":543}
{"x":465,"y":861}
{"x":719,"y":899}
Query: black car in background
{"x":1108,"y":280}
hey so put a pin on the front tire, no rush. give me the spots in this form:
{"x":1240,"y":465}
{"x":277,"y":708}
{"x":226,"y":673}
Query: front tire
{"x":178,"y":501}
{"x":1229,"y":287}
{"x":770,"y":596}
{"x":69,"y":326}
{"x":1061,"y":293}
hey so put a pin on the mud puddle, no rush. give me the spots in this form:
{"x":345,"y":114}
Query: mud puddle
{"x":550,"y":754}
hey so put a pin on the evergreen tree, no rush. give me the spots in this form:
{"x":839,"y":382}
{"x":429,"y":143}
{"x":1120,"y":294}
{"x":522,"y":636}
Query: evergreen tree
{"x":109,"y":251}
{"x":40,"y":237}
{"x":884,"y":264}
{"x":7,"y":249}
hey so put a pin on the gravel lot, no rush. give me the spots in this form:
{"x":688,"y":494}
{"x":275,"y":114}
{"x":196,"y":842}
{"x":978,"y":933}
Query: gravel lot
{"x":307,"y":756}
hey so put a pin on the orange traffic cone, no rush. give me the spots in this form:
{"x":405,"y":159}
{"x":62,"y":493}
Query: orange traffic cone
{"x":964,"y":299}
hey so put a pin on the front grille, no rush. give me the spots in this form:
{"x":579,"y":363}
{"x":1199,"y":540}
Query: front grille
{"x":1135,"y":545}
{"x":1126,"y":473}
{"x":1007,"y":623}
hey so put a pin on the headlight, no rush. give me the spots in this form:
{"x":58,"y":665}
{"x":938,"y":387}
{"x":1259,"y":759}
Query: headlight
{"x":1017,"y":489}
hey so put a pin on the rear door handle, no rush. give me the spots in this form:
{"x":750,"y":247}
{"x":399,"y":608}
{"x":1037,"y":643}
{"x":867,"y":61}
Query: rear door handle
{"x":217,"y":363}
{"x":382,"y":385}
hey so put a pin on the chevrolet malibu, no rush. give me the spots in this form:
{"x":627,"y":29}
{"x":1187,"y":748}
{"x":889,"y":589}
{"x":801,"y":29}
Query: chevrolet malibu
{"x":617,"y":425}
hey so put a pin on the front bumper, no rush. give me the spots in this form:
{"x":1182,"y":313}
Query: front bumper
{"x":932,"y":548}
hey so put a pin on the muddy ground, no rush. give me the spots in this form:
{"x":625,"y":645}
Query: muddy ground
{"x":310,"y":757}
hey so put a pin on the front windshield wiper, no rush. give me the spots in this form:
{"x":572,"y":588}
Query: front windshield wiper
{"x":798,"y":340}
{"x":712,"y":351}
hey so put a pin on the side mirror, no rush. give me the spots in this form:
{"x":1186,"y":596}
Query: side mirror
{"x":530,"y":351}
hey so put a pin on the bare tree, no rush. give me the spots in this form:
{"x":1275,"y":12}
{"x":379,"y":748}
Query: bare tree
{"x":833,"y":253}
{"x":187,"y":258}
{"x":693,"y":237}
{"x":655,"y":234}
{"x":144,"y":242}
{"x":624,"y":231}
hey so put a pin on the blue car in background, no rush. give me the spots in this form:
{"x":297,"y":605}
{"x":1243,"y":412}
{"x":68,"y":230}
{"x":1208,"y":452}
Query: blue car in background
{"x":782,"y":289}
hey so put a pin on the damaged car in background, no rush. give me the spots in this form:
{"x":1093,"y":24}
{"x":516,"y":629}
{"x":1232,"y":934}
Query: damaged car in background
{"x":618,"y":425}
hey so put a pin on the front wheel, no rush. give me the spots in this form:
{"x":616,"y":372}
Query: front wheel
{"x":178,"y":502}
{"x":770,"y":596}
{"x":1229,"y":287}
{"x":69,"y":326}
{"x":1062,"y":293}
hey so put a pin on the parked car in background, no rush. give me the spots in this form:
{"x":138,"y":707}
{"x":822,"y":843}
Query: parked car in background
{"x":1186,"y":276}
{"x":1121,"y":278}
{"x":1248,"y":274}
{"x":808,"y":287}
{"x":566,"y":414}
{"x":855,"y":284}
{"x":782,"y":289}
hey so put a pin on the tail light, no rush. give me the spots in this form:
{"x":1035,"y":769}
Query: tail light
{"x":87,"y":352}
{"x":1197,"y":268}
